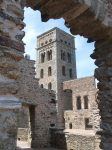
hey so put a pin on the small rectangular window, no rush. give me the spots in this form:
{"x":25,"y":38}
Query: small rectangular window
{"x":70,"y":73}
{"x":85,"y":102}
{"x":87,"y":124}
{"x":78,"y":102}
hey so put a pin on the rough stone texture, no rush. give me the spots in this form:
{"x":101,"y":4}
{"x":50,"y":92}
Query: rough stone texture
{"x":88,"y":22}
{"x":8,"y":122}
{"x":81,"y":21}
{"x":38,"y":110}
{"x":102,"y":54}
{"x":74,"y":140}
{"x":11,"y":51}
{"x":82,"y":87}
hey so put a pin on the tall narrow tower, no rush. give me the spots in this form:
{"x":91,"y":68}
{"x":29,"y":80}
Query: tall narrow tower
{"x":55,"y":62}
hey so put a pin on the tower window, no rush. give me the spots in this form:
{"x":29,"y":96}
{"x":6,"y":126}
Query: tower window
{"x":70,"y":125}
{"x":41,"y":73}
{"x":49,"y":55}
{"x":69,"y":57}
{"x":64,"y":56}
{"x":70,"y":73}
{"x":49,"y":71}
{"x":41,"y":86}
{"x":50,"y":86}
{"x":87,"y":124}
{"x":86,"y":102}
{"x":78,"y":102}
{"x":63,"y":71}
{"x":42,"y":57}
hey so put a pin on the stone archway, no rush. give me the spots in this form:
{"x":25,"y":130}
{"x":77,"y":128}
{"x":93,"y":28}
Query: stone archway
{"x":92,"y":19}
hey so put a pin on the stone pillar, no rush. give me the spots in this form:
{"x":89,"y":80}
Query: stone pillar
{"x":103,"y":56}
{"x":11,"y":51}
{"x":9,"y":107}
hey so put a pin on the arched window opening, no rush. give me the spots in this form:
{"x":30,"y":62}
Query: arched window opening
{"x":78,"y":103}
{"x":61,"y":55}
{"x":49,"y":55}
{"x":63,"y":71}
{"x":64,"y":56}
{"x":50,"y":86}
{"x":42,"y":57}
{"x":69,"y":57}
{"x":70,"y":73}
{"x":41,"y":73}
{"x":70,"y":125}
{"x":86,"y":102}
{"x":42,"y":86}
{"x":49,"y":71}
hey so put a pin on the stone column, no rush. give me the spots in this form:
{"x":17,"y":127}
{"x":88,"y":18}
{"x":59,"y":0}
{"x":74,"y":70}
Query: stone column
{"x":103,"y":56}
{"x":9,"y":107}
{"x":11,"y":51}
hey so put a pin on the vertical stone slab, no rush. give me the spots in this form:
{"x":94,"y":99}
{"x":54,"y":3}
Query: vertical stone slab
{"x":9,"y":106}
{"x":103,"y":56}
{"x":11,"y":51}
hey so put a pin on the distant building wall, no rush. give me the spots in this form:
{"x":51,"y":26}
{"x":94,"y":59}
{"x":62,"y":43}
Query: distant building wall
{"x":84,"y":101}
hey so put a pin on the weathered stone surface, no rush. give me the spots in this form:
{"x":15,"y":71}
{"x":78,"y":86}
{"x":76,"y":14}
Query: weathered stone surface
{"x":103,"y":74}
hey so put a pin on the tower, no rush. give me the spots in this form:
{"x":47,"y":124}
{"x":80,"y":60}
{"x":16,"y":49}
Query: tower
{"x":55,"y":63}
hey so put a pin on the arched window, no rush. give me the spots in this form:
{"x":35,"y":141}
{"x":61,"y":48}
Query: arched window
{"x":85,"y":102}
{"x":49,"y":71}
{"x":41,"y":73}
{"x":50,"y":86}
{"x":63,"y":71}
{"x":49,"y":55}
{"x":64,"y":56}
{"x":78,"y":103}
{"x":41,"y":86}
{"x":61,"y":55}
{"x":42,"y":57}
{"x":70,"y":73}
{"x":70,"y":125}
{"x":69,"y":57}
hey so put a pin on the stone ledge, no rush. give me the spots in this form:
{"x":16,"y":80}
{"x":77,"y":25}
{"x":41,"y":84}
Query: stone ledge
{"x":5,"y":41}
{"x":9,"y":102}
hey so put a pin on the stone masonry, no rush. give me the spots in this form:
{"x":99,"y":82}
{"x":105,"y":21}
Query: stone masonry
{"x":56,"y":51}
{"x":91,"y":19}
{"x":38,"y":107}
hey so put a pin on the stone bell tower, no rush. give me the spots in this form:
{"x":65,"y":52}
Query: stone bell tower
{"x":55,"y":63}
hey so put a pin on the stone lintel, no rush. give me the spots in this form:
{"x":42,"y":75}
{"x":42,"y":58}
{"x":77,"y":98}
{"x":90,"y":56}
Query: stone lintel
{"x":9,"y":102}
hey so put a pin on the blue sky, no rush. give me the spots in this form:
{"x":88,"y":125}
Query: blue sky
{"x":34,"y":27}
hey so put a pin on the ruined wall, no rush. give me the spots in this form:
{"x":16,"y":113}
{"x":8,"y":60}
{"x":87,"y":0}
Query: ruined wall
{"x":81,"y":89}
{"x":11,"y":51}
{"x":38,"y":112}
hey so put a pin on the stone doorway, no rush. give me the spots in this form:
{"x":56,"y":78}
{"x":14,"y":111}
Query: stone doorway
{"x":26,"y":125}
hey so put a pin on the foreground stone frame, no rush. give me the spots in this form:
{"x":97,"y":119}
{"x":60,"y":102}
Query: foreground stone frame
{"x":83,"y":18}
{"x":91,"y":19}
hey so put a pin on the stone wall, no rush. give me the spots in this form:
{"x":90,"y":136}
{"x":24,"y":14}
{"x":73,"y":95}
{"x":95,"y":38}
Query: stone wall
{"x":38,"y":113}
{"x":74,"y":141}
{"x":84,"y":87}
